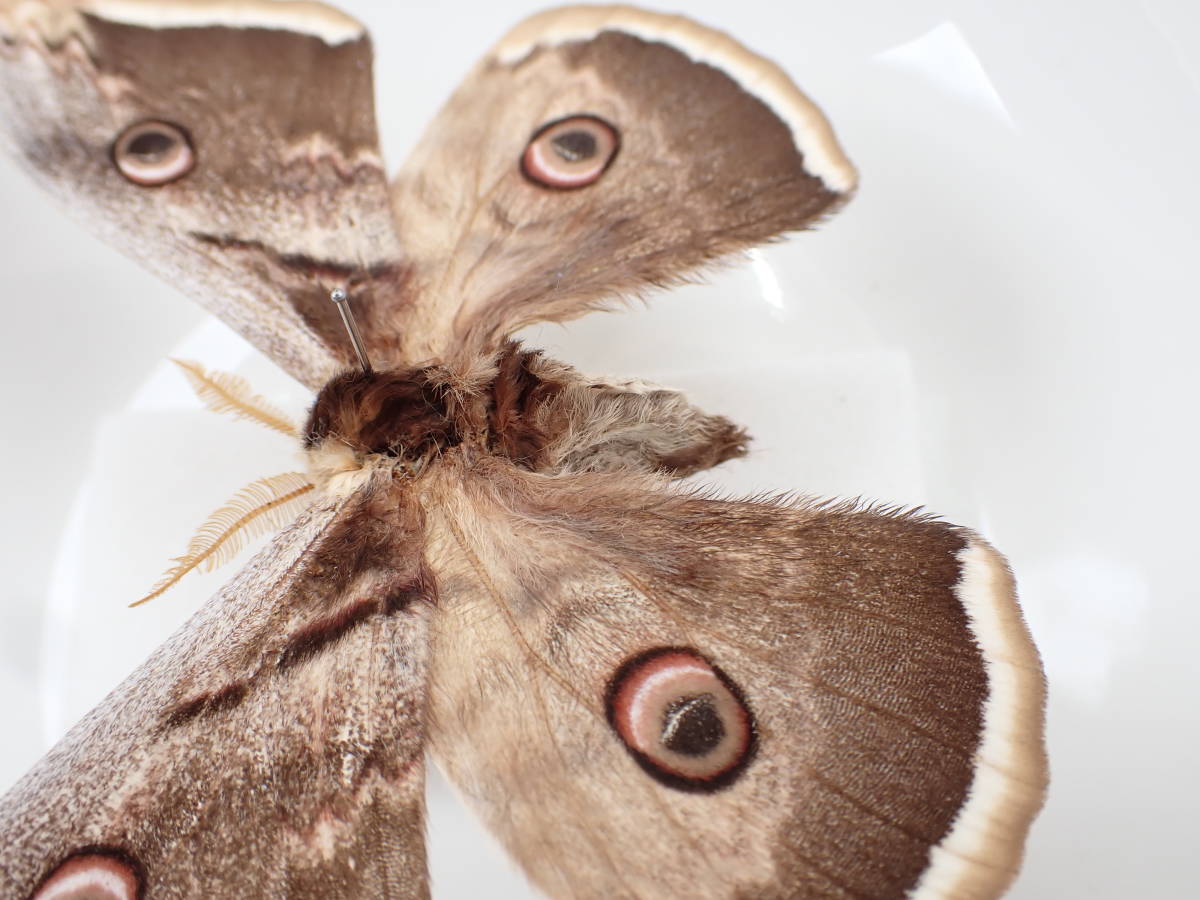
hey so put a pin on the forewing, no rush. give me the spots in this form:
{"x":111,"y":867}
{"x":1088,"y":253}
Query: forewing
{"x":872,"y":670}
{"x":718,"y":151}
{"x":273,"y":747}
{"x":288,"y":196}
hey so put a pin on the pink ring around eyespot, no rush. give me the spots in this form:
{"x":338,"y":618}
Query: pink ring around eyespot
{"x":91,"y":876}
{"x":153,"y":170}
{"x":644,"y":700}
{"x":545,"y":164}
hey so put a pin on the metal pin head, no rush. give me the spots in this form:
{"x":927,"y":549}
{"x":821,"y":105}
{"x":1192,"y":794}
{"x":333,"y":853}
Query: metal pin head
{"x":342,"y":299}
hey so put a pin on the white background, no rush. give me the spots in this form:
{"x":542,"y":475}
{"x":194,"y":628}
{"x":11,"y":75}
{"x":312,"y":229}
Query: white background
{"x":1001,"y":327}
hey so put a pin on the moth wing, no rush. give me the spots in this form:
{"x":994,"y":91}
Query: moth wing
{"x":867,"y":719}
{"x":287,"y":196}
{"x":273,"y":747}
{"x":715,"y":150}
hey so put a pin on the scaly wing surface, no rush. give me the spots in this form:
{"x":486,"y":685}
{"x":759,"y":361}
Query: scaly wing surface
{"x":273,"y":747}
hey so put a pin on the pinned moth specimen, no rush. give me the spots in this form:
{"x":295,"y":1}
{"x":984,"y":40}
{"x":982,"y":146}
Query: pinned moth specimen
{"x":642,"y":690}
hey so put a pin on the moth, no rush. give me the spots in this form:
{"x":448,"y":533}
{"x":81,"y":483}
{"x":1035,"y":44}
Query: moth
{"x":644,"y":691}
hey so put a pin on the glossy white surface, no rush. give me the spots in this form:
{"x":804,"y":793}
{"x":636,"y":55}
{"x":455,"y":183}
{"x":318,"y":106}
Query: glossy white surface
{"x":1000,"y":327}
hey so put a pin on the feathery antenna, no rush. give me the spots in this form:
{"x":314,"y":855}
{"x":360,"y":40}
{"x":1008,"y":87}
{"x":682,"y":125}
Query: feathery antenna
{"x":225,"y":392}
{"x":342,"y":299}
{"x":267,"y":504}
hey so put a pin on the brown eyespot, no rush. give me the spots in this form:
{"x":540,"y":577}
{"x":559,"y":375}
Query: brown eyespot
{"x":571,"y":152}
{"x":682,"y":719}
{"x":153,"y":153}
{"x":98,"y":874}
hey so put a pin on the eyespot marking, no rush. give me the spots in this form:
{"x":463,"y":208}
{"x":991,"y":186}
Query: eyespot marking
{"x":570,"y":153}
{"x":682,"y":719}
{"x":93,"y":874}
{"x":153,"y":153}
{"x":692,"y":725}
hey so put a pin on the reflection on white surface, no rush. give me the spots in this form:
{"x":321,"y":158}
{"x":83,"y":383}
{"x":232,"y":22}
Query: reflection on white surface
{"x":1000,"y":326}
{"x":768,"y":282}
{"x":944,"y":57}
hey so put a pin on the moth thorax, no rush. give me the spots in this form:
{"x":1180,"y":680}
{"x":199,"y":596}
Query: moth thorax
{"x":400,"y":414}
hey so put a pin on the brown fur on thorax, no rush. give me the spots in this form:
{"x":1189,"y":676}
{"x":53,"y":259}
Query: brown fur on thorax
{"x":417,"y":413}
{"x":398,"y":413}
{"x":514,"y":429}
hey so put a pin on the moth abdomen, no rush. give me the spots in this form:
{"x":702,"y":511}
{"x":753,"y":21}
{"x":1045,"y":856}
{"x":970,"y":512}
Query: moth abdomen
{"x":519,"y":406}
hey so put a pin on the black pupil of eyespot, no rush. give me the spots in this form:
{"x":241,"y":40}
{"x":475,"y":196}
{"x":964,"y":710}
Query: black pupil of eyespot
{"x":574,"y":146}
{"x":151,"y":144}
{"x":692,"y":726}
